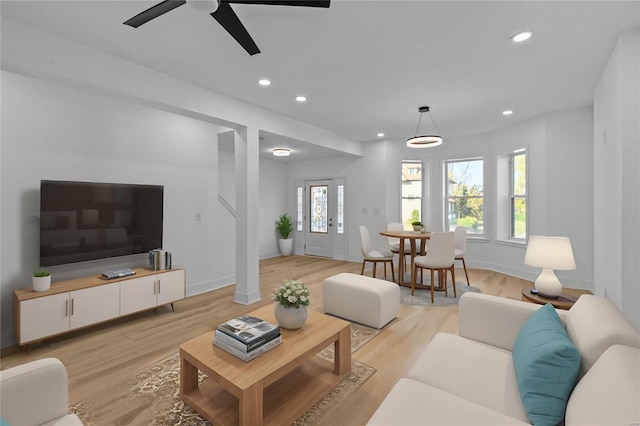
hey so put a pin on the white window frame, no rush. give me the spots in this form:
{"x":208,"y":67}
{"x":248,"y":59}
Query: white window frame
{"x":513,"y":196}
{"x":419,"y":197}
{"x":447,"y":196}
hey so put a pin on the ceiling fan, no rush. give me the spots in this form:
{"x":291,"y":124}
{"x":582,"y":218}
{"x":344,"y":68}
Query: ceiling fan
{"x":221,"y":11}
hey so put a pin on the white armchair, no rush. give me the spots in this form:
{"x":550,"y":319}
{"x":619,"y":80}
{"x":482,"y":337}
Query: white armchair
{"x":36,"y":393}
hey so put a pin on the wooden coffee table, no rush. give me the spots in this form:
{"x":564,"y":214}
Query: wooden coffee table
{"x":275,"y":388}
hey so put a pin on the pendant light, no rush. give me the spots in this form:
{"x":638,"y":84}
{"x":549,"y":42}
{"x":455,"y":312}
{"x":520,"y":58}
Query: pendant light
{"x":424,"y":141}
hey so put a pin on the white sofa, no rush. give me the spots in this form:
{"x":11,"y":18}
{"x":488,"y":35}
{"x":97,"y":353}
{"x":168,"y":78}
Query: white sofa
{"x":470,"y":379}
{"x":36,"y":393}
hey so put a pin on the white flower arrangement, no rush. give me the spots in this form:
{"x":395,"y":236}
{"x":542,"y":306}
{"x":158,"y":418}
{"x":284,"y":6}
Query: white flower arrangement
{"x":292,"y":293}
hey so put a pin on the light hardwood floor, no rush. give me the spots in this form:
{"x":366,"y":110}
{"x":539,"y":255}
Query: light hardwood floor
{"x":100,"y":357}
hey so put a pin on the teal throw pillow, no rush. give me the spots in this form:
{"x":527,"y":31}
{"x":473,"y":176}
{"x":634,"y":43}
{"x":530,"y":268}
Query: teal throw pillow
{"x":546,"y":365}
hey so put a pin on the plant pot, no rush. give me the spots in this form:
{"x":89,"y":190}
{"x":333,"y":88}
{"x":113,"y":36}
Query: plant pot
{"x":41,"y":283}
{"x":417,"y":227}
{"x":290,"y":318}
{"x":286,"y":246}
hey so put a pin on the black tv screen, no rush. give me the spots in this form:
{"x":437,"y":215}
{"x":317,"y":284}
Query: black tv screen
{"x":82,"y":221}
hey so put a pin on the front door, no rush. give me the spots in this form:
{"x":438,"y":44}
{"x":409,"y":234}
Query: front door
{"x":320,"y":231}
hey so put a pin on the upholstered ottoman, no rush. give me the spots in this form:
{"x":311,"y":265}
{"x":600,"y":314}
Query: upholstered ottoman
{"x":366,"y":300}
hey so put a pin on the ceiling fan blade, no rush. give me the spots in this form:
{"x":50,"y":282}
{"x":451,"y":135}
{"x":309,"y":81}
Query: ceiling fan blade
{"x":304,"y":3}
{"x":230,"y":22}
{"x":154,"y":12}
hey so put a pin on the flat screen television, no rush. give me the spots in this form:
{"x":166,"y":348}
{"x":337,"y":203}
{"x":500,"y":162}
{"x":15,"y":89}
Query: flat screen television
{"x":82,"y":221}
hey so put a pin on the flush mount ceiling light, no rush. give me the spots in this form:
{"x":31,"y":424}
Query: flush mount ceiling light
{"x":380,"y":135}
{"x":507,"y":112}
{"x":520,"y":37}
{"x":301,"y":98}
{"x":264,"y":82}
{"x":281,"y":152}
{"x":424,"y":141}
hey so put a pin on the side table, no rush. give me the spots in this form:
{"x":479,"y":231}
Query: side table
{"x":564,"y":301}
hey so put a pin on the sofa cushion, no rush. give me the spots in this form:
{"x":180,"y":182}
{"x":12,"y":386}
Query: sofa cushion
{"x":608,"y":394}
{"x":413,"y":403}
{"x":594,"y":324}
{"x":546,"y":366}
{"x":474,"y":371}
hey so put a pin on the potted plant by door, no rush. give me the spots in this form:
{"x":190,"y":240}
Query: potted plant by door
{"x":284,"y":227}
{"x":41,"y":280}
{"x":417,"y":225}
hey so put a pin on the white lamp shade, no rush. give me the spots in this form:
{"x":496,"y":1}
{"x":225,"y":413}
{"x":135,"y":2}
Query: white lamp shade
{"x":550,"y":253}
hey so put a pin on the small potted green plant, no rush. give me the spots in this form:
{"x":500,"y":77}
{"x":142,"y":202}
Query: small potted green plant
{"x":417,"y":225}
{"x":292,"y":299}
{"x":41,"y":280}
{"x":284,"y":228}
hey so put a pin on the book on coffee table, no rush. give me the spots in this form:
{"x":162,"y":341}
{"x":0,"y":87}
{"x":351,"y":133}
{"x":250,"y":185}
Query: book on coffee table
{"x":248,"y":356}
{"x":244,"y":347}
{"x":248,"y":329}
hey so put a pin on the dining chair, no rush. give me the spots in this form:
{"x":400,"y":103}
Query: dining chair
{"x":374,"y":256}
{"x":461,"y":247}
{"x":440,"y":257}
{"x":394,"y":243}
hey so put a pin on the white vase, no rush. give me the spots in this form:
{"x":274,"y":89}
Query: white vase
{"x":286,"y":246}
{"x":290,"y":318}
{"x":41,"y":283}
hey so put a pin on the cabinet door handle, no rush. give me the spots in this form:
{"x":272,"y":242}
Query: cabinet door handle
{"x":72,"y":306}
{"x":66,"y":308}
{"x":158,"y":286}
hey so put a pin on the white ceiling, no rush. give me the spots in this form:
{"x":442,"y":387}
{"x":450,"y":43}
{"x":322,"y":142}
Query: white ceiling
{"x":366,"y":66}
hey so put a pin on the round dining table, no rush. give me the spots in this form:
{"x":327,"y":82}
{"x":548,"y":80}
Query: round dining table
{"x":412,"y":237}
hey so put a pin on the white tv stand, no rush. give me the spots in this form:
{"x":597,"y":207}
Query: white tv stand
{"x":82,"y":302}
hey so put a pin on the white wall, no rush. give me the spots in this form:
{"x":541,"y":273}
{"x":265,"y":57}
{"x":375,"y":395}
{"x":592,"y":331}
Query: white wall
{"x":616,"y":201}
{"x":55,"y":132}
{"x":275,"y":196}
{"x":560,"y":188}
{"x":274,"y":200}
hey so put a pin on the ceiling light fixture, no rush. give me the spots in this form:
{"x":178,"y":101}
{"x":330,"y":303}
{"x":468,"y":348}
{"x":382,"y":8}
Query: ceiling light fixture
{"x":520,"y":37}
{"x":264,"y":82}
{"x":207,"y":6}
{"x":301,"y":98}
{"x":507,"y":112}
{"x":281,"y":152}
{"x":424,"y":141}
{"x":380,"y":135}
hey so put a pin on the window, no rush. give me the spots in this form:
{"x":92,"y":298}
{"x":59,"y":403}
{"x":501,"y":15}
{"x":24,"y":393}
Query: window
{"x":411,"y":192}
{"x":319,"y":209}
{"x":465,"y":199}
{"x":518,"y":194}
{"x":300,"y":206}
{"x":340,"y":210}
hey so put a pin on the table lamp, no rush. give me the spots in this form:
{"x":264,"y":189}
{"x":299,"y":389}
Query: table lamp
{"x":549,"y":253}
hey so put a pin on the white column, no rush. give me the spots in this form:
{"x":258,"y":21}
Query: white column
{"x":247,"y":211}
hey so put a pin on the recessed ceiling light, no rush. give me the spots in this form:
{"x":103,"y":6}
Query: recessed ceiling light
{"x":507,"y":112}
{"x":301,"y":98}
{"x":525,"y":35}
{"x":380,"y":135}
{"x":264,"y":82}
{"x":281,"y":152}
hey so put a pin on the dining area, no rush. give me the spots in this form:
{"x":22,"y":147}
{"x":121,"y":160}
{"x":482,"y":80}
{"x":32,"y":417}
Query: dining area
{"x":417,"y":250}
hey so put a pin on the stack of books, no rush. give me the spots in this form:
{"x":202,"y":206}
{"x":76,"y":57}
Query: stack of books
{"x":247,"y":337}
